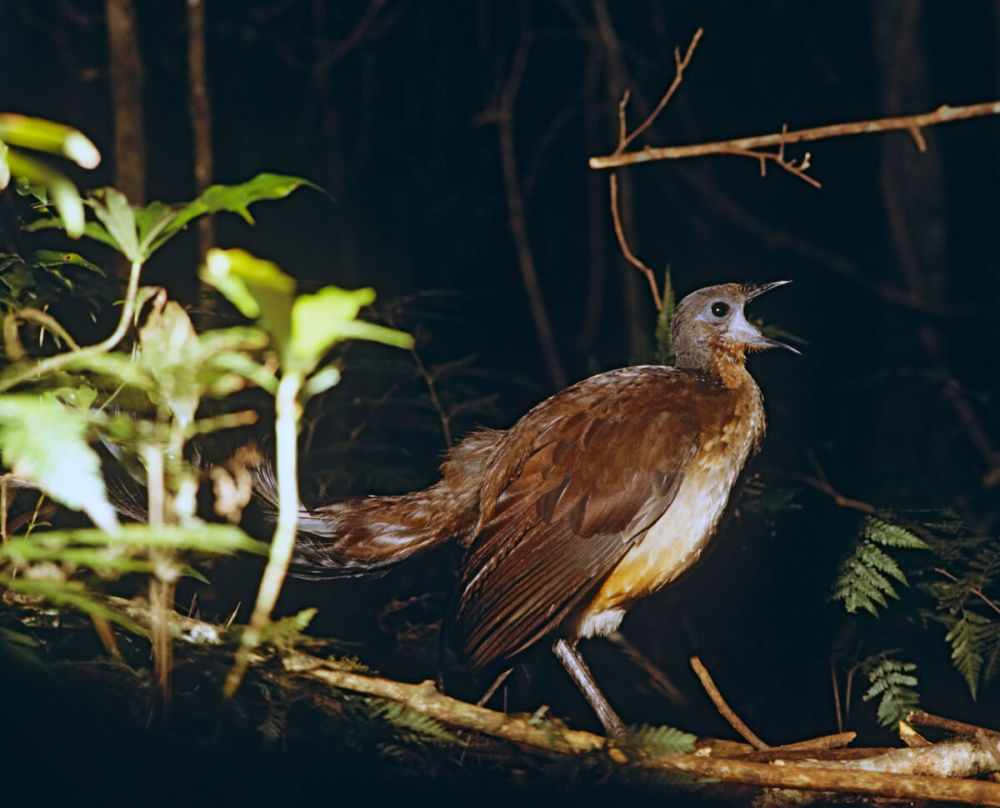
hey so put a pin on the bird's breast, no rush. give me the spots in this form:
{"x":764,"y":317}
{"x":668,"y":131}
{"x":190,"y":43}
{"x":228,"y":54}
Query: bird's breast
{"x":676,"y":540}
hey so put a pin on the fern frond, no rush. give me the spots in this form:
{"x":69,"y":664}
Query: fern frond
{"x":890,"y":535}
{"x":987,"y":561}
{"x":406,"y":718}
{"x":863,"y":581}
{"x":879,"y":560}
{"x":648,"y":741}
{"x":969,"y":637}
{"x":893,"y":683}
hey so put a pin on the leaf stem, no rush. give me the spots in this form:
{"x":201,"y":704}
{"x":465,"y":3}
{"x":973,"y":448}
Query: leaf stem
{"x":52,"y":363}
{"x":287,"y":412}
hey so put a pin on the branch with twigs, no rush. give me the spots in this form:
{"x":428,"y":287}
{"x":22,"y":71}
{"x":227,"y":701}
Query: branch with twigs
{"x":754,"y":146}
{"x":625,"y":138}
{"x":750,"y":146}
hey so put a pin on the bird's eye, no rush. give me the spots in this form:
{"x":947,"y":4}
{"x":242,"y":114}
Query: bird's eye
{"x":720,"y":309}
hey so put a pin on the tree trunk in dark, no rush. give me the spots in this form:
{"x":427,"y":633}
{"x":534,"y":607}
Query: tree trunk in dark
{"x":126,"y":75}
{"x":200,"y":111}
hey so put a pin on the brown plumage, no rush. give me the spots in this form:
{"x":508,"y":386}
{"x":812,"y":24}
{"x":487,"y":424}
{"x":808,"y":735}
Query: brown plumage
{"x":597,"y":497}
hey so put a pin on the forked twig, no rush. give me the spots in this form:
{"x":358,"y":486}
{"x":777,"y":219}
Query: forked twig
{"x":624,"y":139}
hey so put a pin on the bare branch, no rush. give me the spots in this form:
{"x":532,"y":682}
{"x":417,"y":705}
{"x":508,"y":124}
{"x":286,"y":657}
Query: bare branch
{"x":910,"y":123}
{"x":680,"y":64}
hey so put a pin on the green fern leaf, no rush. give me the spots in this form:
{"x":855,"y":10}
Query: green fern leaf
{"x":890,"y":535}
{"x":969,"y":637}
{"x":863,"y":581}
{"x":648,"y":741}
{"x":410,"y":720}
{"x":880,"y":560}
{"x":893,"y":683}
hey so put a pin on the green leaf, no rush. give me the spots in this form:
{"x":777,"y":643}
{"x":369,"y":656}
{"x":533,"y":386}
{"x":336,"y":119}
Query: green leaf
{"x":890,"y":535}
{"x":302,"y":329}
{"x":322,"y":319}
{"x":287,"y":629}
{"x":216,"y":539}
{"x":258,"y":288}
{"x":863,"y":581}
{"x":63,"y":192}
{"x":171,"y":354}
{"x":45,"y":442}
{"x":664,"y":346}
{"x":48,"y":136}
{"x":406,"y":718}
{"x":151,"y":221}
{"x":92,"y":230}
{"x":47,"y":259}
{"x":649,"y":742}
{"x":70,"y":593}
{"x":968,"y":639}
{"x":113,"y":210}
{"x":232,"y":198}
{"x":893,"y":683}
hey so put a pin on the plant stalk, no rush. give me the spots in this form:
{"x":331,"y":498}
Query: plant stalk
{"x":287,"y":414}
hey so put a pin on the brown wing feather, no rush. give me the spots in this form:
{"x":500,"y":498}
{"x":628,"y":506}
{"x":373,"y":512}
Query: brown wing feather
{"x":596,"y":466}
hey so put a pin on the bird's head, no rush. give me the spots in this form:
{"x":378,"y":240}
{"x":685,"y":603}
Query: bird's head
{"x":710,"y":330}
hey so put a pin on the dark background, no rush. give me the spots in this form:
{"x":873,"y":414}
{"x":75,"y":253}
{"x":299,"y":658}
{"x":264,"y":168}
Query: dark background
{"x":894,"y":262}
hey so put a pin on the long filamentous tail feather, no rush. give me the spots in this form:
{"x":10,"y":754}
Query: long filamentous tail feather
{"x":365,"y":536}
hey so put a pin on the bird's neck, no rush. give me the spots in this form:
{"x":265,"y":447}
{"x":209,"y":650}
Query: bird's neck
{"x":725,"y":364}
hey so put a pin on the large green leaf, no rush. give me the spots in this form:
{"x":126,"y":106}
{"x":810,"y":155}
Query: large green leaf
{"x":232,"y":198}
{"x":322,"y":319}
{"x":45,"y":442}
{"x":139,"y":232}
{"x":258,"y":288}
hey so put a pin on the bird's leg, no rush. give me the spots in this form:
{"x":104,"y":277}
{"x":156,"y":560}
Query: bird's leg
{"x":572,"y":661}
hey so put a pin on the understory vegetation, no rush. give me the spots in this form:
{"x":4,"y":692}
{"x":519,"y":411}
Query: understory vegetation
{"x":122,"y":422}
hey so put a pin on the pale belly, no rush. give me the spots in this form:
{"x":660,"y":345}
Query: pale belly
{"x":672,"y":544}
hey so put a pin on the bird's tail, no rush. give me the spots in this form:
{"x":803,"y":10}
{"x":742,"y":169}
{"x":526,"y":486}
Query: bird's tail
{"x":366,"y":535}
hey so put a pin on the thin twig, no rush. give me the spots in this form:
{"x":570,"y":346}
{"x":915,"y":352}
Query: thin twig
{"x":432,"y":391}
{"x":494,"y":687}
{"x":910,"y":123}
{"x":822,"y":483}
{"x":623,"y":243}
{"x":624,"y":139}
{"x":724,"y":709}
{"x":680,"y":64}
{"x":977,"y":591}
{"x":836,"y":696}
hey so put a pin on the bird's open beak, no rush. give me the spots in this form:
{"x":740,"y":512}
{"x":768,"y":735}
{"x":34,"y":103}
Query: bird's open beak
{"x":763,"y":343}
{"x":759,"y":289}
